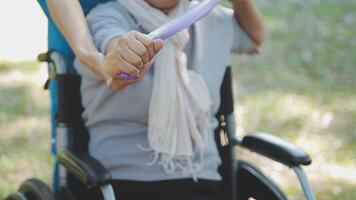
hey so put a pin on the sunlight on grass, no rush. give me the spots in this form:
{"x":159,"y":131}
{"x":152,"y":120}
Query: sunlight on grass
{"x":24,"y":125}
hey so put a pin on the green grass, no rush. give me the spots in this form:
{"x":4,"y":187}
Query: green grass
{"x":24,"y":126}
{"x":301,"y":88}
{"x":26,"y":66}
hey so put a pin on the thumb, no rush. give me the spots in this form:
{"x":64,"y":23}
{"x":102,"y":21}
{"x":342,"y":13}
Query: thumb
{"x":158,"y":45}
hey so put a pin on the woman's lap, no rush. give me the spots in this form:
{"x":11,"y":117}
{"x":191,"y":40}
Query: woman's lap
{"x":185,"y":189}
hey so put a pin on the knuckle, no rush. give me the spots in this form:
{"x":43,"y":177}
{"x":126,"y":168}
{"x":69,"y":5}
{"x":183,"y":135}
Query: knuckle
{"x":142,"y":53}
{"x":120,"y":51}
{"x":138,"y":63}
{"x":131,"y":69}
{"x":121,"y":62}
{"x":123,"y":40}
{"x":150,"y":43}
{"x":133,"y":32}
{"x":151,"y":48}
{"x":122,"y":67}
{"x":145,"y":36}
{"x":145,"y":39}
{"x":117,"y":53}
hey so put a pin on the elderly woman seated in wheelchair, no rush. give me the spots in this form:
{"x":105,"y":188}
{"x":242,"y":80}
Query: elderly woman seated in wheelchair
{"x":159,"y":114}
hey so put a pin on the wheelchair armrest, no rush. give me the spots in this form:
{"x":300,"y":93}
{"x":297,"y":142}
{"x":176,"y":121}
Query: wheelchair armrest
{"x":85,"y":168}
{"x":276,"y":149}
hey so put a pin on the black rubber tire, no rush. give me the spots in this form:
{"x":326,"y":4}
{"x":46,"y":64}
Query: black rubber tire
{"x":65,"y":193}
{"x":34,"y":189}
{"x":253,"y":183}
{"x":16,"y":196}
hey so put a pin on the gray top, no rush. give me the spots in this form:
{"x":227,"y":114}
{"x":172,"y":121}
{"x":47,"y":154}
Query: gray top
{"x":117,"y":121}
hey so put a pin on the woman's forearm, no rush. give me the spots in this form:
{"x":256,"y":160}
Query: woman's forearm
{"x":69,"y":18}
{"x":249,"y":18}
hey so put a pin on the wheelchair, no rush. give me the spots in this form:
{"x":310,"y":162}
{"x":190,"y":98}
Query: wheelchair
{"x":76,"y":172}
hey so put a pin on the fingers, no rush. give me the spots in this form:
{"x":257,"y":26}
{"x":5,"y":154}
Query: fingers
{"x":145,"y":69}
{"x":254,"y":50}
{"x":118,"y":85}
{"x":147,"y":42}
{"x":152,"y":46}
{"x":129,"y":68}
{"x":114,"y":64}
{"x":137,"y":47}
{"x":158,"y":45}
{"x":129,"y":55}
{"x":133,"y":54}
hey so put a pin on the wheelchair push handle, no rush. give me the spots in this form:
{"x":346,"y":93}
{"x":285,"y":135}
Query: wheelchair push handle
{"x":178,"y":24}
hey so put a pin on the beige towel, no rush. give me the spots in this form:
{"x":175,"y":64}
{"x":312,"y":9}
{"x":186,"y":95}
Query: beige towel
{"x":180,"y":107}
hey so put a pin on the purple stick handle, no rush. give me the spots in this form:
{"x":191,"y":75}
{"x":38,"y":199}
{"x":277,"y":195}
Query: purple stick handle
{"x":178,"y":24}
{"x":184,"y":21}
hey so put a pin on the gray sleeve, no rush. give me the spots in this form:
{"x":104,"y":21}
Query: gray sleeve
{"x":107,"y":21}
{"x":241,"y":42}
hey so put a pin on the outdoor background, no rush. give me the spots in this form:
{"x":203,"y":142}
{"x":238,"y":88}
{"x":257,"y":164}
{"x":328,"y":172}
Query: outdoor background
{"x":302,"y":88}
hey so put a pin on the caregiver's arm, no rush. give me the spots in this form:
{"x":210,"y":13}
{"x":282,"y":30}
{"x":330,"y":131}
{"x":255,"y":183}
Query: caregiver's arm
{"x":249,"y":18}
{"x":69,"y":18}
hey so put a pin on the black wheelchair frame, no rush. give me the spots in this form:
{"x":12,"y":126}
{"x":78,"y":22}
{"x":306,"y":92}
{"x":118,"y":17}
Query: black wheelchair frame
{"x":78,"y":171}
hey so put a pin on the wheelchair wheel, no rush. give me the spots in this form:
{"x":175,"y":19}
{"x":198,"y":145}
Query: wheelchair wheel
{"x":16,"y":196}
{"x":34,"y":189}
{"x":65,"y":193}
{"x":253,"y":183}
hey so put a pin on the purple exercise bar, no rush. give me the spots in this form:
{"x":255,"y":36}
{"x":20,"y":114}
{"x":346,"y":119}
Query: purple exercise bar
{"x":178,"y":24}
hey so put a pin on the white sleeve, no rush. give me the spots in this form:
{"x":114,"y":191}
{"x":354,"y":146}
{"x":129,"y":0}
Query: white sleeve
{"x":107,"y":21}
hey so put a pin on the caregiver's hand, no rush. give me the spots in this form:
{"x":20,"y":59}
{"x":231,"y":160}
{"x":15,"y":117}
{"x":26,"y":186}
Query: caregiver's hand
{"x":133,"y":54}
